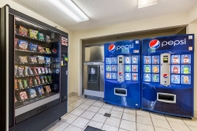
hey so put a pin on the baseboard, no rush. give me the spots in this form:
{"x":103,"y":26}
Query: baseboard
{"x":73,"y":94}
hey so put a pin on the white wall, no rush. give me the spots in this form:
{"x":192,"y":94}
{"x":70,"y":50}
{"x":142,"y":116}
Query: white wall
{"x":36,"y":16}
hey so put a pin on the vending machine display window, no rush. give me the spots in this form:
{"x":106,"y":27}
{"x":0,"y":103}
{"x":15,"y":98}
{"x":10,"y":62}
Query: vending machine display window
{"x":108,"y":60}
{"x":155,"y":59}
{"x":185,"y":79}
{"x":175,"y":79}
{"x":175,"y":69}
{"x":127,"y":60}
{"x":135,"y":76}
{"x":134,"y":68}
{"x":134,"y":59}
{"x":127,"y":68}
{"x":186,"y":59}
{"x":147,"y":68}
{"x":114,"y":68}
{"x":108,"y":67}
{"x":113,"y":60}
{"x":147,"y":59}
{"x":155,"y":68}
{"x":185,"y":69}
{"x":155,"y":77}
{"x":147,"y":77}
{"x":127,"y":76}
{"x":175,"y":59}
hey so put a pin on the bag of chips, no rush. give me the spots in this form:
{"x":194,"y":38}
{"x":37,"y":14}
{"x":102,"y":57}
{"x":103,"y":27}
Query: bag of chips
{"x":16,"y":71}
{"x":32,"y":93}
{"x":23,"y":31}
{"x":38,"y":80}
{"x":33,"y":59}
{"x":23,"y":95}
{"x":25,"y":83}
{"x":40,"y":36}
{"x":26,"y":71}
{"x":21,"y":71}
{"x":41,"y":49}
{"x":30,"y":71}
{"x":22,"y":44}
{"x":23,"y":59}
{"x":48,"y":51}
{"x":41,"y":60}
{"x":47,"y":59}
{"x":15,"y":43}
{"x":33,"y":34}
{"x":33,"y":47}
{"x":20,"y":84}
{"x":30,"y":82}
{"x":48,"y":39}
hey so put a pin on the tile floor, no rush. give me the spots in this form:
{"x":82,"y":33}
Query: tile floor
{"x":90,"y":111}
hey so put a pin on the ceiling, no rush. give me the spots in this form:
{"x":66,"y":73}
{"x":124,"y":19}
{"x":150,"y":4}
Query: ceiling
{"x":106,"y":12}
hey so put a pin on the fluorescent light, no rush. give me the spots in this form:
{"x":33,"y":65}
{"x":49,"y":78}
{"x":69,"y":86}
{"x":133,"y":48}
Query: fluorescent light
{"x":145,"y":3}
{"x":69,"y":8}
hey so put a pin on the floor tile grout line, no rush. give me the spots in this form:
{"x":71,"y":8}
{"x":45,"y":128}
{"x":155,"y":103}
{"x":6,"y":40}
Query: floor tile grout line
{"x":92,"y":117}
{"x":152,"y":121}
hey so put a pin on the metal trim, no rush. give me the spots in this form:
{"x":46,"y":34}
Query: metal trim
{"x":94,"y":93}
{"x":93,"y":63}
{"x":36,"y":104}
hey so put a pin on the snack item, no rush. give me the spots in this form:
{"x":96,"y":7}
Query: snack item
{"x":20,"y":84}
{"x":16,"y":84}
{"x":49,"y":70}
{"x":21,"y":71}
{"x":41,"y":49}
{"x":38,"y":80}
{"x":48,"y":51}
{"x":40,"y":36}
{"x":47,"y":59}
{"x":23,"y":31}
{"x":30,"y":82}
{"x":39,"y":70}
{"x":15,"y":43}
{"x":25,"y":83}
{"x":43,"y":70}
{"x":33,"y":59}
{"x":35,"y":82}
{"x":42,"y":79}
{"x":41,"y":59}
{"x":35,"y":71}
{"x":26,"y":70}
{"x":22,"y":44}
{"x":48,"y":39}
{"x":39,"y":91}
{"x":42,"y":90}
{"x":46,"y":70}
{"x":64,"y":41}
{"x":49,"y":79}
{"x":33,"y":34}
{"x":45,"y":79}
{"x":48,"y":89}
{"x":30,"y":71}
{"x":32,"y":93}
{"x":23,"y":59}
{"x":33,"y":47}
{"x":16,"y":70}
{"x":23,"y":95}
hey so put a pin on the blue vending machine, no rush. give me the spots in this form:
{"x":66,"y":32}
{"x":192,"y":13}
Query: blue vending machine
{"x":122,"y":77}
{"x":168,"y":75}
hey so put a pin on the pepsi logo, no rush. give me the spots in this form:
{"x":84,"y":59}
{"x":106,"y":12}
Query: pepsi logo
{"x":154,"y":44}
{"x":120,"y":73}
{"x":165,"y":75}
{"x":111,"y":47}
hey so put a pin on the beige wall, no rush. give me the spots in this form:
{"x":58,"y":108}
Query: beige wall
{"x":36,"y":16}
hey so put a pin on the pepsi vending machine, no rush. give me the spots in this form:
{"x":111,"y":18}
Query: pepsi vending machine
{"x":122,"y":77}
{"x":168,"y":79}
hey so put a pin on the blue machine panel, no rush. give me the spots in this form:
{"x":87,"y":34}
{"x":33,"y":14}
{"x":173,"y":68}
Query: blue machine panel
{"x":168,"y":87}
{"x":122,"y":77}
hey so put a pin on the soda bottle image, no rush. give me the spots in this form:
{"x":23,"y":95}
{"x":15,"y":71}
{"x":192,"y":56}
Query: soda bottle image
{"x":186,"y":70}
{"x":186,"y":79}
{"x":147,"y":60}
{"x":134,"y":60}
{"x":128,"y":77}
{"x":155,"y":60}
{"x":155,"y":78}
{"x":175,"y":70}
{"x":155,"y":69}
{"x":147,"y":77}
{"x":175,"y":60}
{"x":134,"y":76}
{"x":147,"y":68}
{"x":186,"y":59}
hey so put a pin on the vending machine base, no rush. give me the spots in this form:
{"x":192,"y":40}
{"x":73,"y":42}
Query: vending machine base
{"x":168,"y":101}
{"x":41,"y":121}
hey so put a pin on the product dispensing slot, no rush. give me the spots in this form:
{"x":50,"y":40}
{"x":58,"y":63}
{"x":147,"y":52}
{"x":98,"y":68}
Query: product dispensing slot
{"x":120,"y":92}
{"x":167,"y":98}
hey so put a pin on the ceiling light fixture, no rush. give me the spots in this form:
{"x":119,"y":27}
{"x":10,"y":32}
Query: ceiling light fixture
{"x":69,"y":8}
{"x":145,"y":3}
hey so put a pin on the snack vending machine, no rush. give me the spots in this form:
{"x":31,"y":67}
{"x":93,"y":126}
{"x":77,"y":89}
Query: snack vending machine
{"x":168,"y":78}
{"x":36,"y":59}
{"x":122,"y":77}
